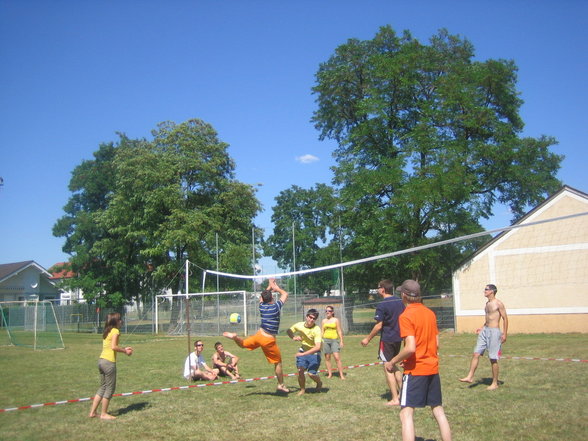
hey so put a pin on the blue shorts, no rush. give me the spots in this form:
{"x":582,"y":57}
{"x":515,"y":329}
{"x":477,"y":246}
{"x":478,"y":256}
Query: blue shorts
{"x":420,"y":391}
{"x":310,"y":362}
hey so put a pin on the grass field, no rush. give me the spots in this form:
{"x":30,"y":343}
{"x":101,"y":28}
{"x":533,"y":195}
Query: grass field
{"x":538,"y":400}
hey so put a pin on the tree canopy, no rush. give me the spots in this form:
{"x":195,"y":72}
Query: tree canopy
{"x":428,"y":142}
{"x":140,"y":207}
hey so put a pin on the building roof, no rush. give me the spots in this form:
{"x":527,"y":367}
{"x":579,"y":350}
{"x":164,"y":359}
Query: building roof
{"x":548,"y":200}
{"x":8,"y":270}
{"x":65,"y":273}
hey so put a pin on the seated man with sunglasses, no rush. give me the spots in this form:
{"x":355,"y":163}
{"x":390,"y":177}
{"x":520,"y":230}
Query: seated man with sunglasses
{"x":195,"y":368}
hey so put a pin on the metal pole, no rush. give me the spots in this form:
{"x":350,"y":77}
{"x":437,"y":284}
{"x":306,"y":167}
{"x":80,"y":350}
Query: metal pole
{"x":294,"y":265}
{"x":217,"y":290}
{"x":187,"y":308}
{"x":341,"y":279}
{"x":253,"y":254}
{"x":217,"y":281}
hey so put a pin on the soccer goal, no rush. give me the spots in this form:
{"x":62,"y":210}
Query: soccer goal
{"x":204,"y":314}
{"x":30,"y":324}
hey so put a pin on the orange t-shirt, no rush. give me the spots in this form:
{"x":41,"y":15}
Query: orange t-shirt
{"x":421,"y":322}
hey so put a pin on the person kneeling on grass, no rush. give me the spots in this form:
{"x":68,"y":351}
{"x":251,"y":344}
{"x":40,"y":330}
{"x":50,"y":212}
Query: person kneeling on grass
{"x":225,"y":362}
{"x":308,"y":357}
{"x":195,"y":368}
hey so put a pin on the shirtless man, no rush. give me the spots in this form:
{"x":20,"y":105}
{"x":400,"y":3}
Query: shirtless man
{"x":490,"y":337}
{"x":225,"y":362}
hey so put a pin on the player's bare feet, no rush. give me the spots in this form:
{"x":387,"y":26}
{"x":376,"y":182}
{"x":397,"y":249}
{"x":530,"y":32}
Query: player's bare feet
{"x":107,"y":416}
{"x":329,"y":375}
{"x":230,"y":335}
{"x":282,"y":388}
{"x":492,"y":387}
{"x":301,"y":392}
{"x":393,"y":403}
{"x":92,"y":415}
{"x":466,"y":380}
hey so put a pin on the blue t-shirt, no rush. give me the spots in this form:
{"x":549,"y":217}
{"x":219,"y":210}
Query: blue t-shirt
{"x":387,"y":312}
{"x":270,"y":316}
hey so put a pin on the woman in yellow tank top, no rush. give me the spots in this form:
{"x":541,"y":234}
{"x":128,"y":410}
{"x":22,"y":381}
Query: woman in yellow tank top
{"x":332,"y":341}
{"x":107,"y":365}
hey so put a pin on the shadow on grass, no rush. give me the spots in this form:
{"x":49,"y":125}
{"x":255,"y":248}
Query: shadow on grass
{"x":293,"y":391}
{"x":135,"y":407}
{"x":484,"y":382}
{"x":270,"y":394}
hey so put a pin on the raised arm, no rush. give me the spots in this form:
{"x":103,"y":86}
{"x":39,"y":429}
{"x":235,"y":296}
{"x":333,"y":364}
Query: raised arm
{"x":274,"y":287}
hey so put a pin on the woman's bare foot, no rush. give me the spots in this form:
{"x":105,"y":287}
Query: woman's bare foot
{"x":107,"y":416}
{"x":92,"y":415}
{"x":466,"y":380}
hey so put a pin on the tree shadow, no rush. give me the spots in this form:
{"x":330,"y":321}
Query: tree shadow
{"x":135,"y":407}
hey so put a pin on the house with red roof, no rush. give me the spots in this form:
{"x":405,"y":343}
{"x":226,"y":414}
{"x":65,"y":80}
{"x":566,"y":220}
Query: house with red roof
{"x":60,"y":272}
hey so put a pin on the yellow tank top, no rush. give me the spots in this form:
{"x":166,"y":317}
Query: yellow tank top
{"x":107,"y":352}
{"x":330,"y":330}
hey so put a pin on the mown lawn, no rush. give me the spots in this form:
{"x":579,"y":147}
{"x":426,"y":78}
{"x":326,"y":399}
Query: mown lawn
{"x":538,"y":400}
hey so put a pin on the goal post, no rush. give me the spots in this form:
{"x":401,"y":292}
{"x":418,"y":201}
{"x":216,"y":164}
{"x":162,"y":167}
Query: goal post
{"x":204,"y":314}
{"x":30,"y":324}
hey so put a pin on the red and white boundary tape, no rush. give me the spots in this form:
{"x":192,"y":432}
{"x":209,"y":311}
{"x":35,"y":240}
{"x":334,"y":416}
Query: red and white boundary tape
{"x":248,"y":380}
{"x":503,"y":357}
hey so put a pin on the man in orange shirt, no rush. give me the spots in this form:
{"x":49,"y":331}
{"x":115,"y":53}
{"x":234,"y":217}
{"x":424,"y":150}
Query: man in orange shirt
{"x":421,"y":385}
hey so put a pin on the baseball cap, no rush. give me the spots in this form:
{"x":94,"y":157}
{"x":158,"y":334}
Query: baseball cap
{"x":410,"y":288}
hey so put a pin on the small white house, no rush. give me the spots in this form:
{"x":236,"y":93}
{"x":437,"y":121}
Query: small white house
{"x":26,"y":280}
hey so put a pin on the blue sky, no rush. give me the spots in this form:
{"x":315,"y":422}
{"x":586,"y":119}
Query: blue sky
{"x":73,"y":73}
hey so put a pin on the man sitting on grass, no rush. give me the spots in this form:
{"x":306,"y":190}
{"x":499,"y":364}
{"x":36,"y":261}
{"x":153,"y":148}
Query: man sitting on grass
{"x":225,"y":362}
{"x":195,"y":368}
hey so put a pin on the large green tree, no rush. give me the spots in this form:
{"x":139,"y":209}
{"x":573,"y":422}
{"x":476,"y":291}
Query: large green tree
{"x":141,"y":207}
{"x":429,"y":141}
{"x":305,"y":226}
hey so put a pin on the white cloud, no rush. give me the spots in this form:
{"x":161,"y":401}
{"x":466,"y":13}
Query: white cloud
{"x":306,"y":159}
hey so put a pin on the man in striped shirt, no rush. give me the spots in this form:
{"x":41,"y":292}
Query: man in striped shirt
{"x":269,"y":311}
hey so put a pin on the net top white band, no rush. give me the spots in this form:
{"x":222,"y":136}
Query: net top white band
{"x":394,"y":253}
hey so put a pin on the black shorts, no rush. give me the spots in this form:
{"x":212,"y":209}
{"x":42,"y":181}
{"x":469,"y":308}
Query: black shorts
{"x":387,"y":351}
{"x":420,"y":391}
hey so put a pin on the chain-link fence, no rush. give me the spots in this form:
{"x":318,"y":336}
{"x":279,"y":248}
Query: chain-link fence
{"x":357,"y":317}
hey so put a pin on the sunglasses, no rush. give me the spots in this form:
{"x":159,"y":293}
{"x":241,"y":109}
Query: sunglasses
{"x":200,"y":345}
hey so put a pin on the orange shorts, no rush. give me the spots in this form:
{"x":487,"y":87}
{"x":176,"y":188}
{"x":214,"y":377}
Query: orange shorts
{"x":267,"y":343}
